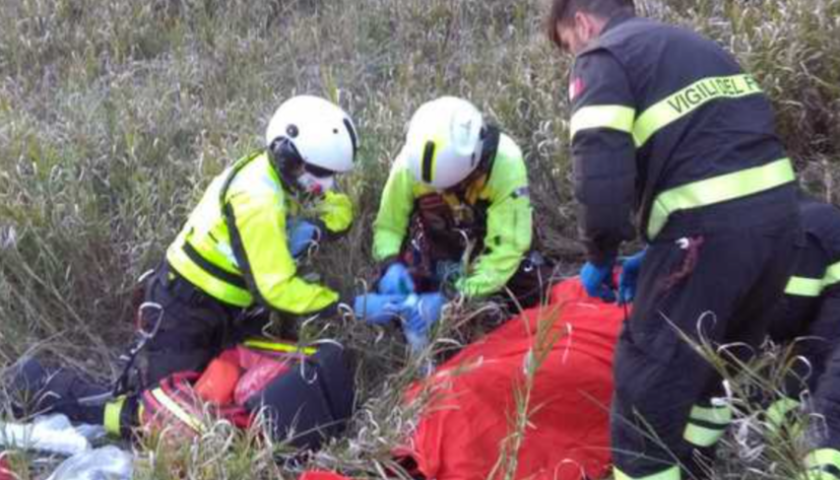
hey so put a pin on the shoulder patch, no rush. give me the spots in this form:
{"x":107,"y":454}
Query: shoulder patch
{"x":576,"y":87}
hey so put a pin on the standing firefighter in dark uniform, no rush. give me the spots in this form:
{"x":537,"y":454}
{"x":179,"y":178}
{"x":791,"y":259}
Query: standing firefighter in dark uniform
{"x":809,"y":315}
{"x":666,"y":122}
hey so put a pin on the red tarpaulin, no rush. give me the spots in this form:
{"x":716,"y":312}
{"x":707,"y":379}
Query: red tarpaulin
{"x":468,"y":420}
{"x":5,"y":469}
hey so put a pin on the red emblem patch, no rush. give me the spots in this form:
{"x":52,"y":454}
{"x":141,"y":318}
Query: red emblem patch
{"x":576,"y":87}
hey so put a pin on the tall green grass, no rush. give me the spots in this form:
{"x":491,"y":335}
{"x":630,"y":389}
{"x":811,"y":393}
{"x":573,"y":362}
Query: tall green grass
{"x":115,"y":114}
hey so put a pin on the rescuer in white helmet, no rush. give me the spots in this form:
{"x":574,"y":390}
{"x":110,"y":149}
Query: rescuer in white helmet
{"x":456,"y":211}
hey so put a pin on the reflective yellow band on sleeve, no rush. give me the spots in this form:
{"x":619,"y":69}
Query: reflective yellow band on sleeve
{"x":175,"y":409}
{"x":672,"y":473}
{"x":832,"y":275}
{"x":689,"y":99}
{"x":113,"y":412}
{"x":731,"y":186}
{"x":804,"y":287}
{"x":813,"y":287}
{"x":614,"y":117}
{"x":823,"y":457}
{"x":279,"y":347}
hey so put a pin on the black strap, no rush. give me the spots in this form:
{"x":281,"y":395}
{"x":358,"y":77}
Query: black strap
{"x":247,"y":279}
{"x":237,"y":167}
{"x":490,"y":147}
{"x":241,"y":256}
{"x":213,"y":270}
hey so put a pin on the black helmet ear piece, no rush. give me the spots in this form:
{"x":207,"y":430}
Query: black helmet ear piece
{"x":284,"y":153}
{"x":286,"y":160}
{"x":274,"y":146}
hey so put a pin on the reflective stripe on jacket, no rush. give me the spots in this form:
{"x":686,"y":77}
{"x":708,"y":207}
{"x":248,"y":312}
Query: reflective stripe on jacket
{"x":811,"y":305}
{"x":253,"y":259}
{"x":509,"y":218}
{"x":665,"y":120}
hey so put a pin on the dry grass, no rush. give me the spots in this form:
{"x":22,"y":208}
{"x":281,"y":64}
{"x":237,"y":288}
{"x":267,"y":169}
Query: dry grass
{"x":114,"y":115}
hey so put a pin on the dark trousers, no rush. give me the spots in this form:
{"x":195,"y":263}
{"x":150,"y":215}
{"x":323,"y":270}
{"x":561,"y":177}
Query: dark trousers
{"x":824,"y":428}
{"x":716,"y":288}
{"x":818,"y":361}
{"x":529,"y":285}
{"x":194,"y":327}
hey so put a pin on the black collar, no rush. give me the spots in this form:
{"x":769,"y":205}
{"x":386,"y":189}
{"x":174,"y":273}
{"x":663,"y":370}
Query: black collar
{"x":618,"y":19}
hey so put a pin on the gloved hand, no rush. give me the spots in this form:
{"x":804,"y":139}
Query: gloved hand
{"x":396,"y":281}
{"x":421,"y":312}
{"x":301,"y":235}
{"x":629,"y":275}
{"x":376,"y":309}
{"x":598,"y":281}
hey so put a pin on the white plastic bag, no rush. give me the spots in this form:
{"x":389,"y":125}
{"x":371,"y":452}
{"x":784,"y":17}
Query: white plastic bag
{"x":106,"y":463}
{"x":54,"y":434}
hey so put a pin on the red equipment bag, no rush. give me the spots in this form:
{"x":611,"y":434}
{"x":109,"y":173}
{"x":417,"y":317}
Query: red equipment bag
{"x":173,"y":407}
{"x":306,"y":393}
{"x":467,"y":421}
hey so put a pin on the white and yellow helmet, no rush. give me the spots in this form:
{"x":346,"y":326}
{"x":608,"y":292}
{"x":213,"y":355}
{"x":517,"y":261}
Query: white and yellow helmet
{"x":443,"y":145}
{"x":316,"y":133}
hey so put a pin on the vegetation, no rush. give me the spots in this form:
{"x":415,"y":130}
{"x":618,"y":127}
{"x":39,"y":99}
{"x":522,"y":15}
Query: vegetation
{"x":115,"y":114}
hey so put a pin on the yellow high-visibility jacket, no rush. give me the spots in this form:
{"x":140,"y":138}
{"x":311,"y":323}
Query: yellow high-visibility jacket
{"x":234,"y":245}
{"x":509,"y":217}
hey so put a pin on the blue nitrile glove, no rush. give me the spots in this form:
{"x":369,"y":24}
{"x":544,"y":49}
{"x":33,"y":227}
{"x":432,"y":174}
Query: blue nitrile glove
{"x":629,"y":275}
{"x":598,"y":281}
{"x":422,"y":313}
{"x":396,"y":281}
{"x":301,"y":234}
{"x":376,"y":309}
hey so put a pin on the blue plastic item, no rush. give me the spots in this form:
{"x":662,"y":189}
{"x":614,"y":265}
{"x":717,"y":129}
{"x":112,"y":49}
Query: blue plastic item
{"x":377,"y":309}
{"x":423,"y":313}
{"x":396,"y":281}
{"x":597,"y":280}
{"x":629,"y":276}
{"x":301,"y":235}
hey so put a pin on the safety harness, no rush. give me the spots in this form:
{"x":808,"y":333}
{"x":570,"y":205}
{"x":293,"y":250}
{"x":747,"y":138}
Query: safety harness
{"x":445,"y":223}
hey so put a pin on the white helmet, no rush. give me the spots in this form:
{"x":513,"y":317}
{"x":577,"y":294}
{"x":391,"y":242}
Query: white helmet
{"x":313,"y":132}
{"x":443,"y":144}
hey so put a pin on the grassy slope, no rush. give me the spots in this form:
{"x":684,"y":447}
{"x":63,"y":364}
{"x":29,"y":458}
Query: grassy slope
{"x":114,"y":115}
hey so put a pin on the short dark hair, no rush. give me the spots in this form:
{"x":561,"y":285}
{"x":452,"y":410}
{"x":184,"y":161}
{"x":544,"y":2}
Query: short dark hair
{"x":563,"y":11}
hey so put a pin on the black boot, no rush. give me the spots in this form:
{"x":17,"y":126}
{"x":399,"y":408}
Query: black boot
{"x":34,"y":390}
